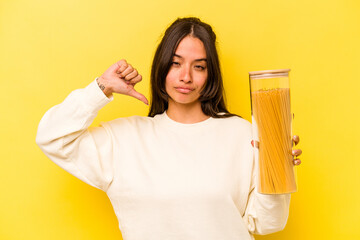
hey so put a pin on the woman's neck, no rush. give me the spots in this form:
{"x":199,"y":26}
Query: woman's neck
{"x":186,"y":113}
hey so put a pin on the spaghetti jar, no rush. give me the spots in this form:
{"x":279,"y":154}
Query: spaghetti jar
{"x":272,"y":131}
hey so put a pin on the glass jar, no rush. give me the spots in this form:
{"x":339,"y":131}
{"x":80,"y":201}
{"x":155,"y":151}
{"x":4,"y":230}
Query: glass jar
{"x":272,"y":131}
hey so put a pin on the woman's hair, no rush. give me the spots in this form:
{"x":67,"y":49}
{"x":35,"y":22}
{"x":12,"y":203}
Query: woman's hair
{"x":212,"y":95}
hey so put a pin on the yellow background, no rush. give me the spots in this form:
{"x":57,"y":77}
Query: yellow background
{"x":49,"y":48}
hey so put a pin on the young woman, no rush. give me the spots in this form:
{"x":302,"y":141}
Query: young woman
{"x":187,"y":171}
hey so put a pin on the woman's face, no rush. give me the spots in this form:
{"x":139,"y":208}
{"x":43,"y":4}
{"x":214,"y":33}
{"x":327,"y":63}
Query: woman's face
{"x":188,"y":72}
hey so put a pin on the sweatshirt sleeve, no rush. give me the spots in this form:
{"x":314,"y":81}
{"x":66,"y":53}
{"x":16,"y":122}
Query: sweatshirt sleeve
{"x":265,"y":214}
{"x":65,"y":137}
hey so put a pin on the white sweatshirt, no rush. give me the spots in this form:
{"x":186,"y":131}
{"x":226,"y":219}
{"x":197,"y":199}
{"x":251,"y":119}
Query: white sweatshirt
{"x":165,"y":180}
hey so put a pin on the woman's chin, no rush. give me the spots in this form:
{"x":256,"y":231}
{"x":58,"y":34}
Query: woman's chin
{"x":184,"y":101}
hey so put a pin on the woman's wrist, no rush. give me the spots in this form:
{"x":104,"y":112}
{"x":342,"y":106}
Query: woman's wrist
{"x":106,"y":89}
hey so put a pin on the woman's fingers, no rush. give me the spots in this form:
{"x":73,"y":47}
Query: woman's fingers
{"x":297,"y":161}
{"x":296,"y":152}
{"x":131,"y":75}
{"x":122,"y":65}
{"x":115,"y":68}
{"x":127,"y":71}
{"x":296,"y":139}
{"x":138,"y":95}
{"x":135,"y":80}
{"x":121,"y":78}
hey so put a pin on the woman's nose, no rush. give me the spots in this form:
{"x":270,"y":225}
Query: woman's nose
{"x":186,"y":74}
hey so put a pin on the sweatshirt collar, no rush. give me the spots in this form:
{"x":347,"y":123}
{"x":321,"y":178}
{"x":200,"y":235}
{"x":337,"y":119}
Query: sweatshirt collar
{"x":186,"y":128}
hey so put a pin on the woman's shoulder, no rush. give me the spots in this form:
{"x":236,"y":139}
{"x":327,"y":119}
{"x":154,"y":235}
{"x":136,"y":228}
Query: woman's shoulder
{"x":234,"y":124}
{"x":234,"y":120}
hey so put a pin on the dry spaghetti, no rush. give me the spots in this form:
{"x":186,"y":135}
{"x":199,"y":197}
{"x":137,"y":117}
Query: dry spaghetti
{"x":271,"y":110}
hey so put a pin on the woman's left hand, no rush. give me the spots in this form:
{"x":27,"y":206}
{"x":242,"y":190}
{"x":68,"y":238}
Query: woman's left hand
{"x":296,"y":152}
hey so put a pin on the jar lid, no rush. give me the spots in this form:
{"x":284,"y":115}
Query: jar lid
{"x":269,"y":73}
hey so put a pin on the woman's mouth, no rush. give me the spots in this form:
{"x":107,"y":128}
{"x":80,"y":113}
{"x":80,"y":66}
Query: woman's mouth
{"x":183,"y":90}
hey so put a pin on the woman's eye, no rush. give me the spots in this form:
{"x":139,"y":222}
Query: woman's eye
{"x":200,"y":67}
{"x":175,"y":63}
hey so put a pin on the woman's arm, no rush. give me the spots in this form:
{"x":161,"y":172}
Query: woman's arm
{"x":267,"y":214}
{"x":64,"y":134}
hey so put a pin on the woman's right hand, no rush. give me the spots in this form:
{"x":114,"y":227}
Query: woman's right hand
{"x":121,"y":78}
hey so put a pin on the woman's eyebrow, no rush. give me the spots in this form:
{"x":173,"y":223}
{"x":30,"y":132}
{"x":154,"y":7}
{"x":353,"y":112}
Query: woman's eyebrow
{"x":196,"y":60}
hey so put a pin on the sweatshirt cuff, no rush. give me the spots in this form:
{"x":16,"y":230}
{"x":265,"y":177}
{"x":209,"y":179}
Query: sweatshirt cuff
{"x":95,"y":97}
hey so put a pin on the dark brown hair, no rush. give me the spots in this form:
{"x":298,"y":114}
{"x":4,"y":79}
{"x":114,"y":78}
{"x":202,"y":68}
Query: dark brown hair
{"x":212,"y":96}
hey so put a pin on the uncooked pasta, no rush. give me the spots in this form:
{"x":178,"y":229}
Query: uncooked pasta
{"x":271,"y":111}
